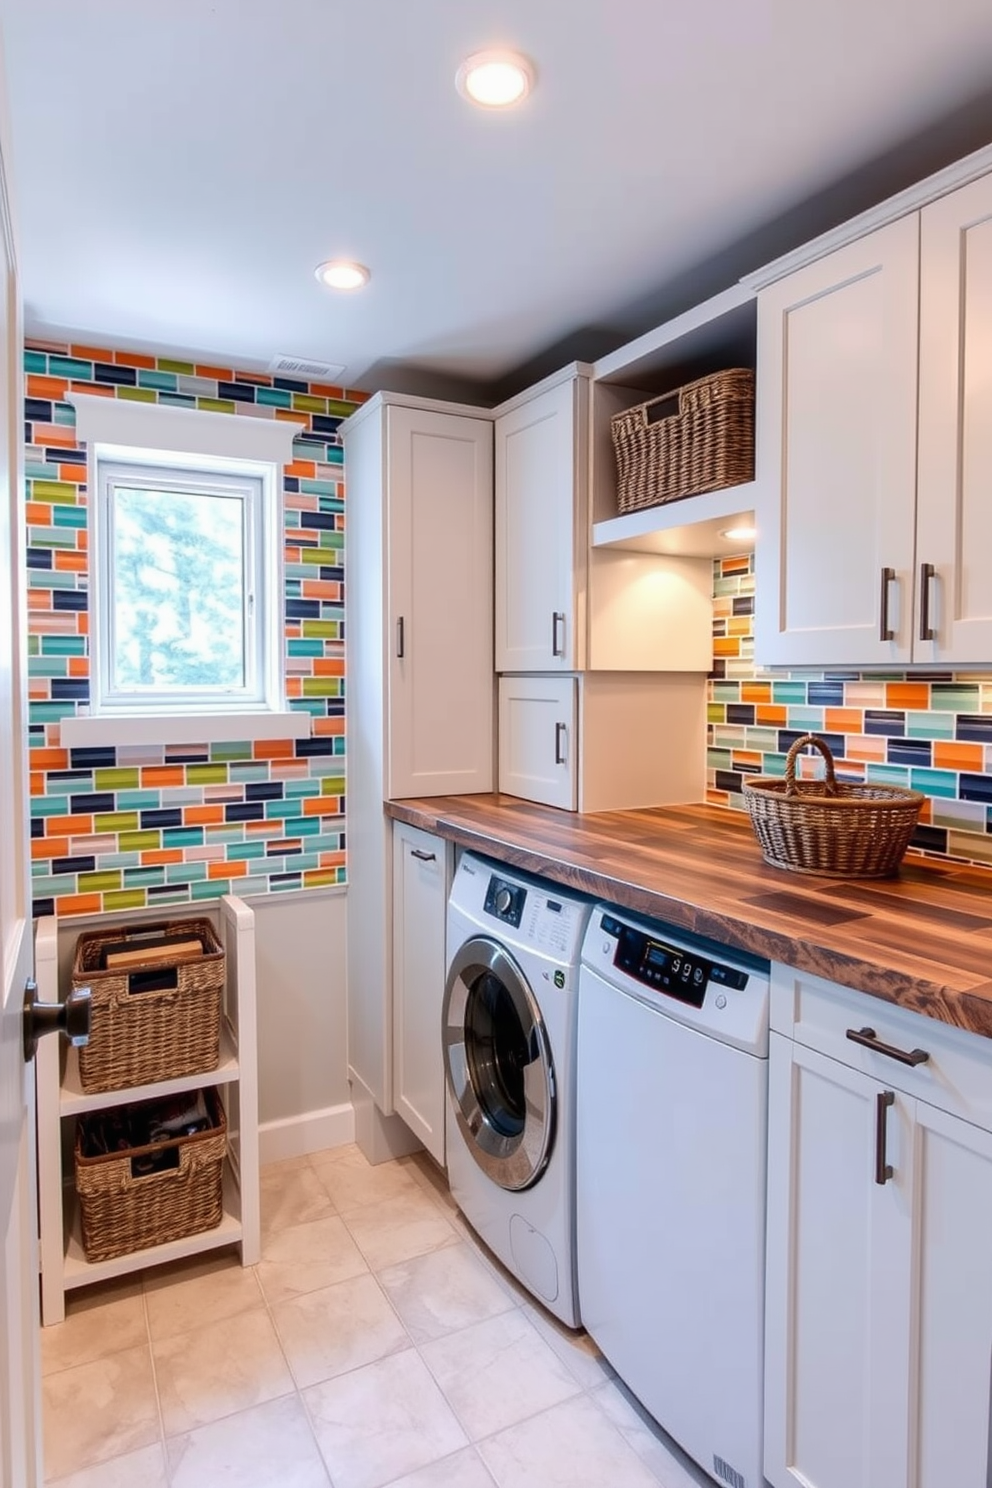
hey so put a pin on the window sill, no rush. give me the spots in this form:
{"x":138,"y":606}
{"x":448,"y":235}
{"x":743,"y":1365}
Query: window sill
{"x":181,"y":728}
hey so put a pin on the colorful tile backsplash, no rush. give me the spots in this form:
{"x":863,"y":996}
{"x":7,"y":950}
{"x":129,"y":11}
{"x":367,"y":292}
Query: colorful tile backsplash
{"x":134,"y":826}
{"x":931,"y":731}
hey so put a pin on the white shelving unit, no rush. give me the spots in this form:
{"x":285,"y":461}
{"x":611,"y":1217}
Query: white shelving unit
{"x":61,"y":1099}
{"x":690,"y":528}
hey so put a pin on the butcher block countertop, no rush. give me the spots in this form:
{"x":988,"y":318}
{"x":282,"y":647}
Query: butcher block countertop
{"x":922,"y":940}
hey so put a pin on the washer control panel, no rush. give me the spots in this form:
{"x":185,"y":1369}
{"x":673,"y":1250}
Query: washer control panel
{"x":680,"y":972}
{"x":505,"y":900}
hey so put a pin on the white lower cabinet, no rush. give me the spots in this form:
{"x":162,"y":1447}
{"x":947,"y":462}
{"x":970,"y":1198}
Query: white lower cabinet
{"x":421,"y":878}
{"x":603,"y":741}
{"x":878,"y":1347}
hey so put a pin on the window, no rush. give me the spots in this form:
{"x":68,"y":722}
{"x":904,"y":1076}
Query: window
{"x":187,"y":635}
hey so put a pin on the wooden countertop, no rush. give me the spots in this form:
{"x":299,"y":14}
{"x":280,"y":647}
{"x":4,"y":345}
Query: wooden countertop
{"x":922,"y":940}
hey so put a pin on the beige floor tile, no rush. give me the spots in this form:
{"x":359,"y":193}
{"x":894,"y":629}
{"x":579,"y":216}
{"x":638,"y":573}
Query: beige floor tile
{"x":339,"y":1328}
{"x":202,"y":1289}
{"x":443,"y":1291}
{"x":99,"y":1320}
{"x":497,"y":1373}
{"x":292,"y":1195}
{"x":382,"y":1421}
{"x":306,"y":1258}
{"x":425,"y":1171}
{"x":463,"y":1470}
{"x":570,"y":1446}
{"x":99,"y":1410}
{"x":216,"y":1370}
{"x":577,"y":1351}
{"x":399,"y":1228}
{"x":142,"y":1469}
{"x":667,"y":1461}
{"x":271,"y":1446}
{"x":352,"y":1181}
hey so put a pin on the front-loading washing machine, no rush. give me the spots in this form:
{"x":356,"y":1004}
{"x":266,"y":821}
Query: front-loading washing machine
{"x":509,"y":1029}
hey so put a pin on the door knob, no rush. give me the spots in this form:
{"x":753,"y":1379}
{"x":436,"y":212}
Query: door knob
{"x":71,"y":1018}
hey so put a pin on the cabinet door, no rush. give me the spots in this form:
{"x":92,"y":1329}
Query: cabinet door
{"x":538,"y":739}
{"x":540,"y":482}
{"x":837,"y":1279}
{"x":439,"y":631}
{"x":954,"y":532}
{"x":952,"y":1304}
{"x":420,"y":891}
{"x":836,"y":455}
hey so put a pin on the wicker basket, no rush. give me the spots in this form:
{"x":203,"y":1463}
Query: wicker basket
{"x":699,"y":438}
{"x":828,"y":827}
{"x":159,"y":1019}
{"x":125,"y":1209}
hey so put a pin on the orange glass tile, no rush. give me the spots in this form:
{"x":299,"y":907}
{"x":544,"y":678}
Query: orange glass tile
{"x":843,"y":720}
{"x":949,"y":755}
{"x":907,"y":695}
{"x":68,"y":561}
{"x":773,"y":714}
{"x":294,"y":687}
{"x":734,"y":565}
{"x":726,"y":646}
{"x":94,"y":387}
{"x":49,"y":847}
{"x":134,"y":359}
{"x":321,"y":589}
{"x":92,"y":353}
{"x":269,"y":749}
{"x":756,"y":692}
{"x":306,"y":469}
{"x":294,"y":501}
{"x":82,"y":537}
{"x":47,"y":387}
{"x":203,"y":816}
{"x":326,"y":727}
{"x":38,"y":514}
{"x":866,"y":747}
{"x":749,"y":757}
{"x":291,"y":416}
{"x":320,"y":806}
{"x":74,"y":475}
{"x":38,"y":784}
{"x":50,"y":759}
{"x":163,"y":775}
{"x":222,"y":374}
{"x":316,"y":878}
{"x":331,"y":859}
{"x":325,"y":390}
{"x":39,"y":599}
{"x":158,"y":855}
{"x":83,"y":624}
{"x":740,"y":625}
{"x":224,"y":869}
{"x":79,"y":904}
{"x":293,"y":554}
{"x":926,"y":810}
{"x":54,"y":434}
{"x":75,"y":826}
{"x":328,"y":666}
{"x":79,"y":666}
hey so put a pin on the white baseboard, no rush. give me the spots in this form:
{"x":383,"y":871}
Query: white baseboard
{"x":295,"y":1136}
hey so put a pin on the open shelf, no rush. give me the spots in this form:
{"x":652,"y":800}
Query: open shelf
{"x":689,"y":528}
{"x":74,"y":1101}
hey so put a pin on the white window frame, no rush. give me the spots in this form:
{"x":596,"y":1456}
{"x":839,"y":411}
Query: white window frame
{"x":118,"y":433}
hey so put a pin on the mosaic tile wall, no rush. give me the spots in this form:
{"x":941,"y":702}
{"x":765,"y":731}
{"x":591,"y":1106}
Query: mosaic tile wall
{"x":931,"y":731}
{"x":124,"y":828}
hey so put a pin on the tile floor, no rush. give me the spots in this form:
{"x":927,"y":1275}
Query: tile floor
{"x":377,"y":1343}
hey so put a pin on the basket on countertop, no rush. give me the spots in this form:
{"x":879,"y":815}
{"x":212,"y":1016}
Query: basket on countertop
{"x":154,"y":1192}
{"x":156,"y":1014}
{"x":698,"y":438}
{"x":829,"y":827}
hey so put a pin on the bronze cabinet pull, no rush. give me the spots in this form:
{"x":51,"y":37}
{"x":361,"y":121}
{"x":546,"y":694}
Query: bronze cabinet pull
{"x":868,"y":1039}
{"x":885,"y":631}
{"x":927,"y":575}
{"x":557,"y":618}
{"x":883,"y":1170}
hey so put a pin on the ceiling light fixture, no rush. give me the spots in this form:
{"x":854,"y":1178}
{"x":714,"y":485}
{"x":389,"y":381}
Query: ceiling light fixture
{"x":340,"y":273}
{"x":495,"y":79}
{"x":740,"y":534}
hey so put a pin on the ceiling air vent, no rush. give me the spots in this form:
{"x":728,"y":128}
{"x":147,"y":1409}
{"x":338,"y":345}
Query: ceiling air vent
{"x":287,"y":366}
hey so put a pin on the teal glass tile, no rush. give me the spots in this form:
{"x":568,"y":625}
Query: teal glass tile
{"x":317,"y":487}
{"x":64,"y":414}
{"x":773,"y":764}
{"x":301,"y":826}
{"x":43,"y":884}
{"x":221,"y":836}
{"x":213,"y":888}
{"x":73,"y":367}
{"x":135,"y":878}
{"x":332,"y":505}
{"x":298,"y":788}
{"x":48,"y":578}
{"x":120,"y":860}
{"x":326,"y":842}
{"x":955,"y":697}
{"x":934,"y":782}
{"x":80,"y":784}
{"x":39,"y":470}
{"x":316,"y":706}
{"x":726,"y":692}
{"x":177,"y":400}
{"x":50,"y":712}
{"x":48,"y":805}
{"x":238,"y":750}
{"x":138,"y":800}
{"x":185,"y":873}
{"x":274,"y":397}
{"x":182,"y":836}
{"x":930,"y":725}
{"x":305,"y":648}
{"x":63,"y":645}
{"x":36,"y":362}
{"x":50,"y":537}
{"x":810,"y":719}
{"x":240,"y":852}
{"x":248,"y":772}
{"x":788,"y":692}
{"x":335,"y":454}
{"x":278,"y":809}
{"x":165,"y":382}
{"x":47,"y":666}
{"x":69,"y":516}
{"x":887,"y":774}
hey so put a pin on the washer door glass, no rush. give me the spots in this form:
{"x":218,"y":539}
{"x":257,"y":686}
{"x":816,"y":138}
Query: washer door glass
{"x":497,"y":1064}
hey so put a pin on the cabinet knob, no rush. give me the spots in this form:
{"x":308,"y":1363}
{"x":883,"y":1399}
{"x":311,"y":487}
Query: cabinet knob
{"x":70,"y":1018}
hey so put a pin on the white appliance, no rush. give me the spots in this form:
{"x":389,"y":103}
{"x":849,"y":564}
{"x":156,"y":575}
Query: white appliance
{"x":509,"y":1029}
{"x":671,"y":1133}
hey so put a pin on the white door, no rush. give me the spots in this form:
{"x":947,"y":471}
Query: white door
{"x":20,"y":1453}
{"x":539,"y":485}
{"x":420,"y":894}
{"x":538,"y":739}
{"x":954,"y":514}
{"x":837,"y":1344}
{"x":836,"y":455}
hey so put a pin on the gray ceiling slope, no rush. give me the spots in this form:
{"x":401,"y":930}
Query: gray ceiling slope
{"x":182,"y":167}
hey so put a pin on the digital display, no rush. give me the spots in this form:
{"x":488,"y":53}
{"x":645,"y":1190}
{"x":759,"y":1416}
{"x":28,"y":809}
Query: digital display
{"x":655,"y":956}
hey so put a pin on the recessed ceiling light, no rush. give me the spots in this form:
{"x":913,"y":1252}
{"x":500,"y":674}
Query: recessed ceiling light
{"x":495,"y":79}
{"x":740,"y":534}
{"x":339,"y":273}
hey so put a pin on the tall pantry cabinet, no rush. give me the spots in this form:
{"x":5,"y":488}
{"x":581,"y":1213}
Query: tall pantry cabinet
{"x":419,"y":666}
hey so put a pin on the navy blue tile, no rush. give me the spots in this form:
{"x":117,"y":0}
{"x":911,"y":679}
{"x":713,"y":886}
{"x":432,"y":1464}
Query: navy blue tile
{"x":109,"y":372}
{"x":39,"y":557}
{"x":740,"y":713}
{"x":307,"y":436}
{"x":85,"y":805}
{"x":65,"y":456}
{"x":163,"y":891}
{"x":834,"y":742}
{"x":303,"y":609}
{"x":237,"y":392}
{"x":324,"y":520}
{"x":65,"y":776}
{"x":37,"y":826}
{"x":909,"y":752}
{"x":290,"y":385}
{"x":42,"y":907}
{"x":975,"y":787}
{"x":70,"y":599}
{"x":202,"y":757}
{"x":168,"y":817}
{"x":268,"y":791}
{"x":38,"y":409}
{"x":939,"y":677}
{"x":244,"y":811}
{"x":92,"y":759}
{"x":281,"y":850}
{"x":334,"y":574}
{"x":287,"y":880}
{"x":73,"y":865}
{"x":825,"y":694}
{"x":885,"y":721}
{"x":309,"y":748}
{"x":70,"y":689}
{"x":291,"y":483}
{"x":325,"y":424}
{"x":974,"y":726}
{"x":930,"y":839}
{"x":728,"y":780}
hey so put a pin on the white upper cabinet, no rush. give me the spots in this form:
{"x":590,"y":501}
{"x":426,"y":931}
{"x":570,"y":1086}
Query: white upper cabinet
{"x":875,"y":446}
{"x":541,"y":520}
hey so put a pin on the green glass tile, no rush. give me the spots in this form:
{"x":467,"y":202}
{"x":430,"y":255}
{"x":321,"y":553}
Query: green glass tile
{"x":326,"y":842}
{"x":314,"y":557}
{"x":716,"y":713}
{"x":305,"y":648}
{"x":69,"y":516}
{"x":236,"y":749}
{"x":341,"y":408}
{"x":60,"y":493}
{"x":185,"y":873}
{"x":117,"y":821}
{"x":50,"y":712}
{"x":119,"y":779}
{"x":274,"y":397}
{"x":137,"y":395}
{"x":930,"y":725}
{"x":42,"y":578}
{"x":43,"y":885}
{"x":146,"y":876}
{"x":125,"y":899}
{"x":96,"y":883}
{"x":162,"y":381}
{"x":47,"y":666}
{"x":63,"y":645}
{"x":214,"y":888}
{"x":329,"y":628}
{"x":206,"y":774}
{"x":726,"y":692}
{"x":140,"y":841}
{"x":954,"y":697}
{"x":934,"y":782}
{"x":36,"y":362}
{"x":216,"y":405}
{"x":34,"y":645}
{"x":182,"y":836}
{"x":50,"y":537}
{"x":185,"y":369}
{"x":71,"y":367}
{"x":332,"y":785}
{"x":139,"y":800}
{"x":307,"y":403}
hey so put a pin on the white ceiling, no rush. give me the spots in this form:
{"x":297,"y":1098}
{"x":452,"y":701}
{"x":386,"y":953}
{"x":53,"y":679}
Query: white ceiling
{"x":181,"y":167}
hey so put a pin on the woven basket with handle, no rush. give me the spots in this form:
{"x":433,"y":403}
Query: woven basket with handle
{"x":830,"y":827}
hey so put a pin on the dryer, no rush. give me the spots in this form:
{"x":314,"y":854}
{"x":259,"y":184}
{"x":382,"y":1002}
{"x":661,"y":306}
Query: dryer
{"x":509,"y":1027}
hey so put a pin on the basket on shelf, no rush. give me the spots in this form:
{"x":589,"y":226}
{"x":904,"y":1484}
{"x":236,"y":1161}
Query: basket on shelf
{"x":156,"y":1003}
{"x":698,"y":438}
{"x":829,"y":827}
{"x":154,"y":1192}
